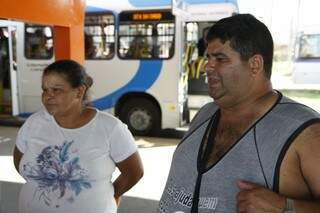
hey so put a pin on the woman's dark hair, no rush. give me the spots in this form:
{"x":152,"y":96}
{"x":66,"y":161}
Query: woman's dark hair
{"x":72,"y":72}
{"x":247,"y":35}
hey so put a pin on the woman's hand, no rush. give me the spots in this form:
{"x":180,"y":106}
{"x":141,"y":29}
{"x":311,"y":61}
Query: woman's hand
{"x":17,"y":155}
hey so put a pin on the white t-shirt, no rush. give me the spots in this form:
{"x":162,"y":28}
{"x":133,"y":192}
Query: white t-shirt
{"x":70,"y":170}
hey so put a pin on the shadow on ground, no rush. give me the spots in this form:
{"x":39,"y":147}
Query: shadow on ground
{"x":172,"y":133}
{"x":9,"y":193}
{"x":137,"y":205}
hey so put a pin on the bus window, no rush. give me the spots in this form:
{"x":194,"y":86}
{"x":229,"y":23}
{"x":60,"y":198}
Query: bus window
{"x":146,"y":35}
{"x":99,"y":36}
{"x":309,"y":46}
{"x":136,"y":42}
{"x":165,"y":40}
{"x":38,"y":42}
{"x":191,"y":40}
{"x":192,"y":32}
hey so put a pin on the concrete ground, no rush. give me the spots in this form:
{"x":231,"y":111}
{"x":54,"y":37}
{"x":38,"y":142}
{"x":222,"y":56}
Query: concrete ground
{"x":156,"y":154}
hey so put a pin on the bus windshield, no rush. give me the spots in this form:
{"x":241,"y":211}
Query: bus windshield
{"x":309,"y":46}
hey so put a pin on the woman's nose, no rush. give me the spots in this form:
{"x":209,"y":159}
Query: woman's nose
{"x":48,"y":93}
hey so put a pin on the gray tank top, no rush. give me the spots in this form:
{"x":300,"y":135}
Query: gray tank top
{"x":255,"y":157}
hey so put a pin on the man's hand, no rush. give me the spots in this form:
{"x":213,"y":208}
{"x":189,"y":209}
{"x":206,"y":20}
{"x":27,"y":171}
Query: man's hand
{"x":254,"y":198}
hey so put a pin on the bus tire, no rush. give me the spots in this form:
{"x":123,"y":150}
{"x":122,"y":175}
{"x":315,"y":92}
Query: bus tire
{"x":142,"y":116}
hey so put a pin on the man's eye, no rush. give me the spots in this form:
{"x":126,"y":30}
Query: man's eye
{"x":221,"y":59}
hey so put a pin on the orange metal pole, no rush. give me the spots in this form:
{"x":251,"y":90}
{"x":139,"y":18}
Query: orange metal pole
{"x":69,"y":43}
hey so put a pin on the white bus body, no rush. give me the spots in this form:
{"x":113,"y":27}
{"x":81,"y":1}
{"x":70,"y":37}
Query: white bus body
{"x":147,"y":91}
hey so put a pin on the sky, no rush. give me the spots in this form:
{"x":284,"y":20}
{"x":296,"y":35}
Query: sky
{"x":283,"y":17}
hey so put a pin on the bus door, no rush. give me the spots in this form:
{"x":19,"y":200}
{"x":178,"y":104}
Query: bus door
{"x":195,"y":56}
{"x":201,"y":17}
{"x":8,"y":73}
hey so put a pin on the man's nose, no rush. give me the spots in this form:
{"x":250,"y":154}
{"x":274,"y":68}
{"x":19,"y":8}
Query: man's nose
{"x":210,"y":66}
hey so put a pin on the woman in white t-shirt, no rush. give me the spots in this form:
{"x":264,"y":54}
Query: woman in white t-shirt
{"x":68,"y":151}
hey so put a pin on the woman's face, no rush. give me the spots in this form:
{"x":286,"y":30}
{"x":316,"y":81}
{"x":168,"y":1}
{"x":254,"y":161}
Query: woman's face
{"x":58,"y":97}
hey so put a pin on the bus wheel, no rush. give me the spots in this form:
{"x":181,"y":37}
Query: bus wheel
{"x":142,"y":116}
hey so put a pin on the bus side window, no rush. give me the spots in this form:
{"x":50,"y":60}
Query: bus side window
{"x":38,"y":42}
{"x":146,"y":35}
{"x":99,"y":36}
{"x":165,"y":40}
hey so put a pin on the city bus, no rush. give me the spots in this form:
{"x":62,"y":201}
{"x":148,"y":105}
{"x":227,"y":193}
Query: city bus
{"x":139,"y":54}
{"x":307,"y":57}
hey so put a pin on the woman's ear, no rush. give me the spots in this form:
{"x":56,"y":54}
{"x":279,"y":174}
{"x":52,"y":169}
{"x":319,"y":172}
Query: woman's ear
{"x":256,"y":64}
{"x":80,"y":91}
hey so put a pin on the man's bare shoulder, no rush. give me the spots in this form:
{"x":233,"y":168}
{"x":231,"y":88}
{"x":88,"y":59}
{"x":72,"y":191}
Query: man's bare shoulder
{"x":308,"y":139}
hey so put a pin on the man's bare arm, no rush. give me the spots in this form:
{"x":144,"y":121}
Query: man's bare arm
{"x":308,"y":150}
{"x":255,"y":198}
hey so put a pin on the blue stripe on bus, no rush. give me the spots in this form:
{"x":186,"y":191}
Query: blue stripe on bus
{"x":25,"y":114}
{"x":147,"y":74}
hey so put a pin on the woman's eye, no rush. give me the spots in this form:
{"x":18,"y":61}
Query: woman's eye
{"x":57,"y":89}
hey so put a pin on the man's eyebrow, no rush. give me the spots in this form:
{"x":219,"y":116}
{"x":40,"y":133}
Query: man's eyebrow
{"x":216,"y":54}
{"x":58,"y":85}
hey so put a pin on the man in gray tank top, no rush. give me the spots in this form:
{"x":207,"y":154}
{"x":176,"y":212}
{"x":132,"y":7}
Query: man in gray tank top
{"x":252,"y":150}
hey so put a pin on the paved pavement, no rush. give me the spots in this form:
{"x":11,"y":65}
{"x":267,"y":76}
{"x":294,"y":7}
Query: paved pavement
{"x":156,"y":154}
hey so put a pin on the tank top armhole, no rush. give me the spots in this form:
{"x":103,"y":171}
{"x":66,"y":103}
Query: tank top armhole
{"x":285,"y":148}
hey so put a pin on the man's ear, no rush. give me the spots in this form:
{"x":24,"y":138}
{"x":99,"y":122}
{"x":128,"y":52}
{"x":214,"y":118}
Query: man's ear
{"x":256,"y":64}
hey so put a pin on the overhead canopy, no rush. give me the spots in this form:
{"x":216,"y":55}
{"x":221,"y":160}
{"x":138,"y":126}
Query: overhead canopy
{"x":67,"y":17}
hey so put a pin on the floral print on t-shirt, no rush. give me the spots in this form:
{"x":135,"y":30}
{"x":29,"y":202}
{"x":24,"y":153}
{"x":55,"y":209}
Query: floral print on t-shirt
{"x":58,"y":174}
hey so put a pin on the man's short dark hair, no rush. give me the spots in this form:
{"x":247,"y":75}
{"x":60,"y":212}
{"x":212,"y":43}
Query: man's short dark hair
{"x":247,"y":35}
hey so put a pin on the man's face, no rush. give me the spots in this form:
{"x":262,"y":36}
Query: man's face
{"x":228,"y":76}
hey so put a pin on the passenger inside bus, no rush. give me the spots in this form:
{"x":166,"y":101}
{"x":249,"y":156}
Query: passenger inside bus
{"x":38,"y":47}
{"x":202,"y":44}
{"x":139,"y":48}
{"x":90,"y":48}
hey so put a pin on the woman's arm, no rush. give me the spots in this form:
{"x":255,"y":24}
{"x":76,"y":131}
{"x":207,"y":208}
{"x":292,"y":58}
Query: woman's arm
{"x":131,"y":172}
{"x":17,"y":155}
